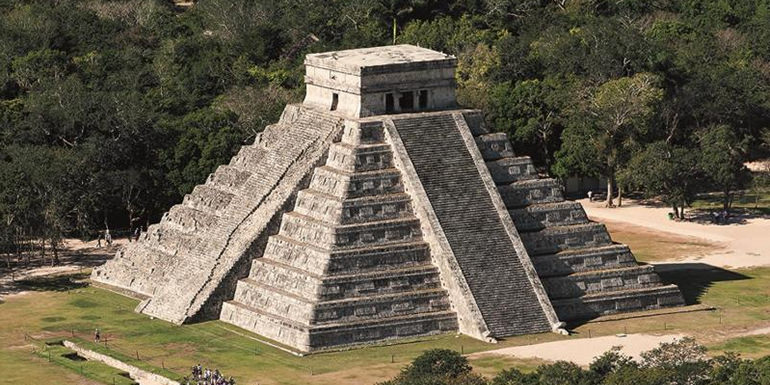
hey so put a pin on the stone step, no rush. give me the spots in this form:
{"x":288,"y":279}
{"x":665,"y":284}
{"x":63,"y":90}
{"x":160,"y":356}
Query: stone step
{"x":358,"y":158}
{"x":363,"y":132}
{"x":381,"y":306}
{"x":580,"y":260}
{"x":509,"y":170}
{"x":473,"y":228}
{"x":579,"y":284}
{"x":277,"y":301}
{"x":308,"y":285}
{"x":336,"y":210}
{"x":559,"y":238}
{"x":354,"y":185}
{"x":494,"y":146}
{"x":329,"y":236}
{"x":594,"y":305}
{"x":169,"y":240}
{"x":362,"y":259}
{"x":248,"y":158}
{"x":208,"y":198}
{"x":189,"y":220}
{"x":335,"y":335}
{"x":529,"y":192}
{"x":228,"y":177}
{"x":475,"y":121}
{"x":539,"y":216}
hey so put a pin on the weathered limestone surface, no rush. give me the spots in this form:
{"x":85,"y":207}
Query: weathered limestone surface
{"x":377,"y":210}
{"x":494,"y":277}
{"x":583,"y":271}
{"x":349,"y":265}
{"x":187,"y":264}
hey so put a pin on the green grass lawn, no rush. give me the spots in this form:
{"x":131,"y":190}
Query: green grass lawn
{"x":93,"y":370}
{"x":743,"y":297}
{"x":71,"y":309}
{"x":66,"y":307}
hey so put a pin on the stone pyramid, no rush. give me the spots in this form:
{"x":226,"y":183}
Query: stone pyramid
{"x":377,"y":210}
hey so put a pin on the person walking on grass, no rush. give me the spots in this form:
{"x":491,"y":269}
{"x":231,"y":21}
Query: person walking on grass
{"x":97,"y":335}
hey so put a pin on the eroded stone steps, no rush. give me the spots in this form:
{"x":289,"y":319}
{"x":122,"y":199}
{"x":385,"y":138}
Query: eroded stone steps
{"x":189,"y":220}
{"x":310,"y":230}
{"x":494,"y":146}
{"x":473,"y":228}
{"x":586,"y":259}
{"x":332,"y":287}
{"x":584,"y":273}
{"x":322,"y":206}
{"x":512,"y":169}
{"x":358,"y":158}
{"x":608,"y":280}
{"x":594,"y":305}
{"x":274,"y":300}
{"x":532,"y":191}
{"x":560,"y":238}
{"x":537,"y":217}
{"x":353,"y":185}
{"x":209,"y":198}
{"x":362,"y":259}
{"x":229,"y":177}
{"x":320,"y":337}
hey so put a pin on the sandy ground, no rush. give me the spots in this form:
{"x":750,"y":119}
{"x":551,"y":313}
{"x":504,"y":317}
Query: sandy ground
{"x":76,"y":256}
{"x":583,"y":350}
{"x":745,"y":242}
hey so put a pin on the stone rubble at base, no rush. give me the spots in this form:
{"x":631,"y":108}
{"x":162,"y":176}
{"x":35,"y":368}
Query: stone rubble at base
{"x":379,"y":210}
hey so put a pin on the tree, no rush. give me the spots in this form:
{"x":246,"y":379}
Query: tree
{"x":684,"y":361}
{"x":438,"y":367}
{"x":666,"y":172}
{"x":395,"y":10}
{"x":606,"y":126}
{"x":609,"y":362}
{"x":531,"y":112}
{"x":721,"y":159}
{"x":514,"y":377}
{"x":562,"y":372}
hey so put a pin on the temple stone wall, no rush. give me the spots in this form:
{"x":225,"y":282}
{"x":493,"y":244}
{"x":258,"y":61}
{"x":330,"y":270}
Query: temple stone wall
{"x":584,"y":272}
{"x":489,"y":277}
{"x":348,"y":265}
{"x":202,"y":246}
{"x":375,"y":211}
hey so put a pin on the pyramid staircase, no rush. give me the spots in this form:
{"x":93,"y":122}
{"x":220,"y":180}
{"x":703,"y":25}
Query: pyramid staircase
{"x":584,"y":273}
{"x":184,"y":266}
{"x":348,"y":265}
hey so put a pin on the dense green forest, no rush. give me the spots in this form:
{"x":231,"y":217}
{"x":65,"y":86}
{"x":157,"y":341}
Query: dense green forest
{"x":682,"y":362}
{"x":111,"y":111}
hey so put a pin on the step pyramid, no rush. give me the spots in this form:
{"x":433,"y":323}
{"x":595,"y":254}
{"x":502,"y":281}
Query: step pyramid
{"x":378,"y":210}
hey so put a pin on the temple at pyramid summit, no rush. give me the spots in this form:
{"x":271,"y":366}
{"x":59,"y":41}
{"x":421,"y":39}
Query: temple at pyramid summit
{"x":375,"y":210}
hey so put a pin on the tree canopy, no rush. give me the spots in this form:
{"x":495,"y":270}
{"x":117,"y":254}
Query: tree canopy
{"x":112,"y":110}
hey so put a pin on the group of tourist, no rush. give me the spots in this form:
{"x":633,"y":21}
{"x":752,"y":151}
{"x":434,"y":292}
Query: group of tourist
{"x":206,"y":376}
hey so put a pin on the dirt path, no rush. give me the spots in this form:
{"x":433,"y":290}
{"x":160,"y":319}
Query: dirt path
{"x":742,"y":244}
{"x":76,"y":255}
{"x":582,"y":351}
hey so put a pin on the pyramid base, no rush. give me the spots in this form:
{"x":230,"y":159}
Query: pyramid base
{"x":315,"y":338}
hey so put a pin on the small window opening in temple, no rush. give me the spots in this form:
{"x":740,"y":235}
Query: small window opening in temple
{"x":389,"y":103}
{"x":406,"y":101}
{"x":335,"y":101}
{"x":423,"y":99}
